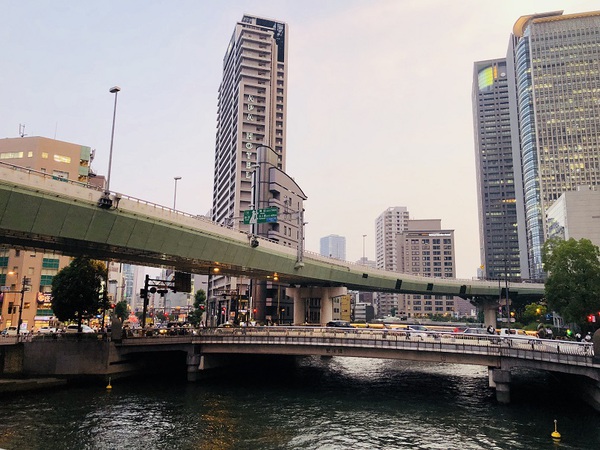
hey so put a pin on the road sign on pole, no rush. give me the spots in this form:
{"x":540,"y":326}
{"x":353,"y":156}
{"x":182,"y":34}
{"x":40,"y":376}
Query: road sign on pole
{"x":265,"y":215}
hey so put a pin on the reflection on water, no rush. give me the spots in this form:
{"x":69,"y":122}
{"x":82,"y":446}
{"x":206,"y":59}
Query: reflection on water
{"x":329,"y":403}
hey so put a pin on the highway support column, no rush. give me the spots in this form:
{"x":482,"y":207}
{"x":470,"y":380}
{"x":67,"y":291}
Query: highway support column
{"x":490,"y":312}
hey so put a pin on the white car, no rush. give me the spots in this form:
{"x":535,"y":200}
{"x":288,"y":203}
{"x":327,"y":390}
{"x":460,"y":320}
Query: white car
{"x":74,"y":328}
{"x":47,"y":330}
{"x":417,"y":331}
{"x":12,"y":331}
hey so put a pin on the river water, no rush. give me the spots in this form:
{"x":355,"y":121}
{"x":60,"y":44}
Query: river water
{"x":322,"y":403}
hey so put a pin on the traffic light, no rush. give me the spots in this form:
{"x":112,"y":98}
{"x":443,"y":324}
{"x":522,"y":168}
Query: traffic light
{"x":183,"y":282}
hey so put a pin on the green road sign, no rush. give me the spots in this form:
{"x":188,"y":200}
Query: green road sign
{"x":265,"y":215}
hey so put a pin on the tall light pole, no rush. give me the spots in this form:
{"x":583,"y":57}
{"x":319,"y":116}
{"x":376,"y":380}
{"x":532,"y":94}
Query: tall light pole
{"x":175,"y":192}
{"x":113,"y":90}
{"x":364,"y":260}
{"x":24,"y":286}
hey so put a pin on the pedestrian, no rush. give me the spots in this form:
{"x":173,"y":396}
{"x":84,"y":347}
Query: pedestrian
{"x":588,"y":337}
{"x":578,"y":337}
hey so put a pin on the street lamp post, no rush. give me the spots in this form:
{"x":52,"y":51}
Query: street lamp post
{"x":24,"y":285}
{"x":364,"y":260}
{"x":113,"y":90}
{"x":175,"y":191}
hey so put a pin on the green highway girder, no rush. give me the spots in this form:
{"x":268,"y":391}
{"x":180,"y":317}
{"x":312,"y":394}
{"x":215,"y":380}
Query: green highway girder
{"x":43,"y":219}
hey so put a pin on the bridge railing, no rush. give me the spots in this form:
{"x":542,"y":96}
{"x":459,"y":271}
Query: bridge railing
{"x":534,"y":348}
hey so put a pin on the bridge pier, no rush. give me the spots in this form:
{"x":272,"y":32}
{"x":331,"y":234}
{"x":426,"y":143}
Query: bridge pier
{"x":500,"y":379}
{"x":193,"y":366}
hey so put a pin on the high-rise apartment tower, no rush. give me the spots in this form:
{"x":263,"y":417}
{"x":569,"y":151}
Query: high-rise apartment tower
{"x":388,"y":225}
{"x":251,"y":113}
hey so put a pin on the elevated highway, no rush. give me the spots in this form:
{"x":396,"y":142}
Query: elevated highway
{"x":51,"y":214}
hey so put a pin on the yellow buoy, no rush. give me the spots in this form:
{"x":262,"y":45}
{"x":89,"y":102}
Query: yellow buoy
{"x":555,"y":434}
{"x":110,"y":387}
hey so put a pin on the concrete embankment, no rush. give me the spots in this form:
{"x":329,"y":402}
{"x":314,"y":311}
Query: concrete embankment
{"x":30,"y":384}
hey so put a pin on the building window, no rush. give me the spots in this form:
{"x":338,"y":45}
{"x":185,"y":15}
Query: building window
{"x":50,"y":263}
{"x":11,"y":155}
{"x":46,"y":280}
{"x":62,"y":159}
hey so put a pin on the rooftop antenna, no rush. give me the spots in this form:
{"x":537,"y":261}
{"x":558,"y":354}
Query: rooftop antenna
{"x":22,"y":130}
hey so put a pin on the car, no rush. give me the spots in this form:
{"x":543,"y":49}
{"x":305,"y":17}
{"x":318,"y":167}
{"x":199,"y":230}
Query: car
{"x":74,"y":328}
{"x":473,"y":330}
{"x":418,"y":331}
{"x":12,"y":331}
{"x":339,"y":324}
{"x":47,"y":330}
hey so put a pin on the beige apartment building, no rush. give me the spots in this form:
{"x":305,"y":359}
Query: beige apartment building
{"x":425,"y":249}
{"x":57,"y":159}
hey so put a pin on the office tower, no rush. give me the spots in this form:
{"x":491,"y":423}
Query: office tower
{"x":59,"y":160}
{"x":333,"y":246}
{"x":425,"y":249}
{"x":499,"y":243}
{"x":554,"y":85}
{"x":388,"y":225}
{"x":576,"y":214}
{"x":251,"y":112}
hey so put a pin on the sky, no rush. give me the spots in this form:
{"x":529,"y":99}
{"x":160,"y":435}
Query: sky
{"x":379,"y":110}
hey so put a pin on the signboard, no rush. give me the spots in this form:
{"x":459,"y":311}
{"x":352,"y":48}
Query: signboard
{"x":264,"y":215}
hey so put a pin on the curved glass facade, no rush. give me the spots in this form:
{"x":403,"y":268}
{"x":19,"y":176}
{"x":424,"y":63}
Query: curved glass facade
{"x":529,"y":160}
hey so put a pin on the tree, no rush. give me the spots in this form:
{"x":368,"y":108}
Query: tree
{"x":121,"y":310}
{"x":195,"y":316}
{"x":76,"y":290}
{"x":534,"y":312}
{"x":573,"y":284}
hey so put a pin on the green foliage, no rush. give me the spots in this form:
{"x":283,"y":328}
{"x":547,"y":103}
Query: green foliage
{"x":121,"y":310}
{"x":534,"y":312}
{"x":195,"y":316}
{"x":573,"y":284}
{"x":199,"y":298}
{"x":76,"y":290}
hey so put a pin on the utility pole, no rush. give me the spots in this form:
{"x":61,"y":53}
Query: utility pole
{"x":24,"y":287}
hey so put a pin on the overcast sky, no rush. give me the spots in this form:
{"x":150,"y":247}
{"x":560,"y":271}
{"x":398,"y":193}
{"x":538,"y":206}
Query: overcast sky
{"x":379,"y":99}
